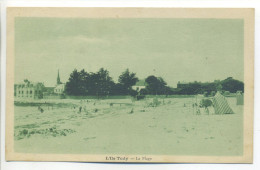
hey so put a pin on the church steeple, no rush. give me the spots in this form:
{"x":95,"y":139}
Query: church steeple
{"x":58,"y":78}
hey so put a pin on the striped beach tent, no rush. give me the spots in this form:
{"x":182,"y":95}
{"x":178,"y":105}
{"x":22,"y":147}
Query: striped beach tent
{"x":221,"y":105}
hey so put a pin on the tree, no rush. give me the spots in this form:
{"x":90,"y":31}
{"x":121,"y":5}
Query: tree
{"x":102,"y":83}
{"x":75,"y":84}
{"x":228,"y":84}
{"x":127,"y":80}
{"x":118,"y":89}
{"x":219,"y":87}
{"x":156,"y":85}
{"x":83,"y":83}
{"x":232,"y":85}
{"x":143,"y":92}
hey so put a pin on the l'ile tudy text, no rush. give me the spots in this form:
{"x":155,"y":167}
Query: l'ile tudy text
{"x":125,"y":158}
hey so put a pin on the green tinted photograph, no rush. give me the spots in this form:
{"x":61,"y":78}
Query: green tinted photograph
{"x":129,"y":86}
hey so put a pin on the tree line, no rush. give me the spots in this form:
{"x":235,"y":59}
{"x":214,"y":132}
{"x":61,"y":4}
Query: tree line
{"x":82,"y":83}
{"x":100,"y":83}
{"x":229,"y":84}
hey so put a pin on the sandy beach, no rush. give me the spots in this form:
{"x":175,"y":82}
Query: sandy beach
{"x":123,"y":126}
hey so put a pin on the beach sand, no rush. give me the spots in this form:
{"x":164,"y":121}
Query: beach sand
{"x":127,"y":127}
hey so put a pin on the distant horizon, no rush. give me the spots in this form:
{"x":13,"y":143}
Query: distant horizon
{"x":175,"y":49}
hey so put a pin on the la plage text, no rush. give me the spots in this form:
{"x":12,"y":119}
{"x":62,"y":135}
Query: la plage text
{"x":125,"y":158}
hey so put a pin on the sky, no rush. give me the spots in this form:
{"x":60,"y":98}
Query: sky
{"x":175,"y":49}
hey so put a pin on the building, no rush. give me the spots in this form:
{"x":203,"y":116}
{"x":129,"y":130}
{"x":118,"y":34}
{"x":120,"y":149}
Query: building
{"x":141,"y":84}
{"x":60,"y":87}
{"x":58,"y":78}
{"x":48,"y":91}
{"x":29,"y":90}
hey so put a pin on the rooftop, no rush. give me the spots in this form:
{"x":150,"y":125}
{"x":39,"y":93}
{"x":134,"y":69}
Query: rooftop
{"x":140,"y":83}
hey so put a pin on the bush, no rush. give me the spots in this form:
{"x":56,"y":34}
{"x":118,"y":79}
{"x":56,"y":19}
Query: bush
{"x":140,"y":97}
{"x":212,"y":93}
{"x":143,"y":92}
{"x":205,"y":94}
{"x":133,"y":93}
{"x":205,"y":103}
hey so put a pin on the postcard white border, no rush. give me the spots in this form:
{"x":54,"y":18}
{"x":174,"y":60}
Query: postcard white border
{"x":246,"y":14}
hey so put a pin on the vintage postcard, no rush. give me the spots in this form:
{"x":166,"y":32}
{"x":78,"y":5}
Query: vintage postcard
{"x":153,"y":85}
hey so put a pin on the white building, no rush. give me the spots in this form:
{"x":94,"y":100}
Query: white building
{"x":29,"y":90}
{"x":141,"y":84}
{"x":59,"y":88}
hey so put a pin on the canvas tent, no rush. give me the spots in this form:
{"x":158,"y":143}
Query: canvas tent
{"x":240,"y":98}
{"x":221,"y":105}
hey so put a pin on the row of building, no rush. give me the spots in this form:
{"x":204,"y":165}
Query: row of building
{"x":31,"y":90}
